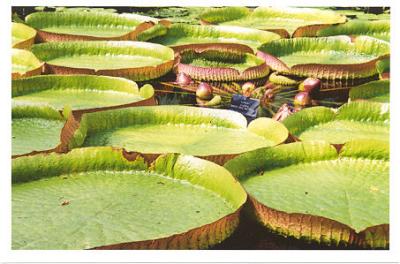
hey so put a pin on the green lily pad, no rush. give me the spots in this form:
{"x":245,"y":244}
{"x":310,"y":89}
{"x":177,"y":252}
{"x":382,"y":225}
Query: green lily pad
{"x":377,"y":91}
{"x":173,"y":129}
{"x":22,"y":36}
{"x":207,"y":60}
{"x":96,"y":198}
{"x":74,"y":25}
{"x":309,"y":191}
{"x":220,"y":62}
{"x":137,"y":61}
{"x":355,"y":120}
{"x":183,"y":34}
{"x":76,"y":91}
{"x":35,"y":128}
{"x":326,"y":57}
{"x":378,"y":29}
{"x":285,"y":21}
{"x":24,"y":64}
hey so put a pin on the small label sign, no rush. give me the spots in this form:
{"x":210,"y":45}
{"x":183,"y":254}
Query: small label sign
{"x":245,"y":105}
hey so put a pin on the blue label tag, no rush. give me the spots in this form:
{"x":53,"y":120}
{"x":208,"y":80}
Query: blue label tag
{"x":245,"y":105}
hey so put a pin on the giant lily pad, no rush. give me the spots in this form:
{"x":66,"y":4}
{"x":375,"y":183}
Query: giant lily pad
{"x":332,"y":58}
{"x":62,"y":26}
{"x":22,"y":36}
{"x":378,"y":29}
{"x":138,"y":61}
{"x":220,"y":62}
{"x":79,"y":91}
{"x":355,"y":120}
{"x":183,"y":34}
{"x":309,"y":191}
{"x":25,"y":64}
{"x":377,"y":91}
{"x":104,"y":198}
{"x":211,"y":133}
{"x":287,"y":22}
{"x":35,"y":128}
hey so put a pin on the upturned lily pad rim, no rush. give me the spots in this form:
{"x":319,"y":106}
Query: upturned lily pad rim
{"x":219,"y":73}
{"x":309,"y":117}
{"x":51,"y":50}
{"x":119,"y":159}
{"x":26,"y":56}
{"x":142,"y":24}
{"x":361,"y":44}
{"x":292,"y":223}
{"x":73,"y":134}
{"x":27,"y":85}
{"x":28,"y":38}
{"x":301,"y":31}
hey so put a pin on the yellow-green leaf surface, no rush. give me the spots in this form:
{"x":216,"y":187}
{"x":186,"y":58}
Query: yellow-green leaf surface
{"x":220,"y":62}
{"x":24,"y":61}
{"x":311,"y":178}
{"x":378,"y":29}
{"x":364,"y":15}
{"x":174,"y":129}
{"x":82,"y":9}
{"x":377,"y":91}
{"x":150,"y":60}
{"x":95,"y":24}
{"x":326,"y":50}
{"x":75,"y":91}
{"x":355,"y":120}
{"x":182,"y":34}
{"x":35,"y":128}
{"x":21,"y":33}
{"x":383,"y":66}
{"x":94,"y":197}
{"x":269,"y":18}
{"x":240,"y":62}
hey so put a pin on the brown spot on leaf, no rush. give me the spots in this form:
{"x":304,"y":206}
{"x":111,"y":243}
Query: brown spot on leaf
{"x":65,"y":202}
